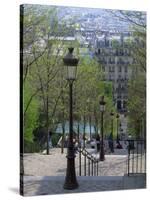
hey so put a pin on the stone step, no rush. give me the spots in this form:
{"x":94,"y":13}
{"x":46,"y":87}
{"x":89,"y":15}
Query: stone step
{"x":54,"y":185}
{"x":45,"y":185}
{"x":82,"y":178}
{"x":134,"y":181}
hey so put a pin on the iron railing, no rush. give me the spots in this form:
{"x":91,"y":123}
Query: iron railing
{"x":88,"y":164}
{"x":136,"y":161}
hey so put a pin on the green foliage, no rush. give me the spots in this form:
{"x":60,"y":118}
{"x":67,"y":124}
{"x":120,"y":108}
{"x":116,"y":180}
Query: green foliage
{"x":46,"y":96}
{"x":115,"y":43}
{"x":31,"y":147}
{"x":32,"y":114}
{"x":137,"y":85}
{"x":137,"y":103}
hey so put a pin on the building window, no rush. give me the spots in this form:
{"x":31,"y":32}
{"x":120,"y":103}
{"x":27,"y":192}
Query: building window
{"x":111,"y":68}
{"x":118,"y":104}
{"x":119,"y":78}
{"x":103,"y":68}
{"x":121,"y":52}
{"x":112,"y":60}
{"x":126,"y":69}
{"x":124,"y":104}
{"x":119,"y":69}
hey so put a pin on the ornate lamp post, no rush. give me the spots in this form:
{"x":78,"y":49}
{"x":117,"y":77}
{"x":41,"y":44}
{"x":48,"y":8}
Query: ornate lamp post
{"x":88,"y":104}
{"x":102,"y":109}
{"x":117,"y":117}
{"x":112,"y":128}
{"x":70,"y":181}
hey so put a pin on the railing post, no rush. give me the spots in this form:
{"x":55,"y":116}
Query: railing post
{"x":137,"y":151}
{"x":141,"y":158}
{"x":89,"y":166}
{"x":85,"y":164}
{"x":145,"y":156}
{"x":128,"y":157}
{"x":97,"y":167}
{"x":92,"y":167}
{"x":80,"y":162}
{"x":133,"y":156}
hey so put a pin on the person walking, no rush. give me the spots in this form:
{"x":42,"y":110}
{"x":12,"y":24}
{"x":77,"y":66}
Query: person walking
{"x":111,"y":143}
{"x":98,"y":142}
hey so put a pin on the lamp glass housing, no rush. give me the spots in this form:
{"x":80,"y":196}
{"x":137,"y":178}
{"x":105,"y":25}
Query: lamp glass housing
{"x":71,"y":62}
{"x":71,"y":72}
{"x":102,"y":107}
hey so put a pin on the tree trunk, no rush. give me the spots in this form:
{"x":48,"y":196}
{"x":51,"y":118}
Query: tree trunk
{"x":84,"y":131}
{"x":63,"y":135}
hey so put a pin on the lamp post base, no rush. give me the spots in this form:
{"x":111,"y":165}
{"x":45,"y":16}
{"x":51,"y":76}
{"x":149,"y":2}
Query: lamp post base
{"x":70,"y":186}
{"x":70,"y":181}
{"x":102,"y":159}
{"x":102,"y":156}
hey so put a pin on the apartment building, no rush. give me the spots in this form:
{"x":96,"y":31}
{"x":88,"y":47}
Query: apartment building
{"x":113,"y":53}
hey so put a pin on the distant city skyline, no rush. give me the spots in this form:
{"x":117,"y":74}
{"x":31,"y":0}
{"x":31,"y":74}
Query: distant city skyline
{"x":93,"y":18}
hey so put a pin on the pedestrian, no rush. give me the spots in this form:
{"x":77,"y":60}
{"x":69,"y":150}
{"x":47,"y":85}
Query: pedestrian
{"x":98,"y":142}
{"x":111,"y":144}
{"x":76,"y":145}
{"x":118,"y":146}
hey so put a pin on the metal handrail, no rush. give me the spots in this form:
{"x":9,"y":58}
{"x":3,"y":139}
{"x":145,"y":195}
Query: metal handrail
{"x":136,"y":163}
{"x":91,"y":166}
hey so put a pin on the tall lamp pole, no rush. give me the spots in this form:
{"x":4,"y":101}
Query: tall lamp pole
{"x":102,"y":109}
{"x":88,"y":104}
{"x":117,"y":117}
{"x":112,"y":129}
{"x":70,"y":181}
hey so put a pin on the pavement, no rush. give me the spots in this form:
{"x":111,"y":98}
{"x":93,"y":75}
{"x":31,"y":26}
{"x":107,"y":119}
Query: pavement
{"x":36,"y":164}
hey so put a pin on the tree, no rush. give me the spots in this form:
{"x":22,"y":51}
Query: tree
{"x":42,"y":62}
{"x":31,"y":117}
{"x":34,"y":27}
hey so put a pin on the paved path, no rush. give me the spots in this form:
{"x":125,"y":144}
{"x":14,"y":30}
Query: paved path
{"x":36,"y":164}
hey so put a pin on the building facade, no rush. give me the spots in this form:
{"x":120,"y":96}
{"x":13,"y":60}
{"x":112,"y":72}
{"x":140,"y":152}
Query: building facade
{"x":113,"y":53}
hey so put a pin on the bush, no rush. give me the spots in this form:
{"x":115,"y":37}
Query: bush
{"x":31,"y":147}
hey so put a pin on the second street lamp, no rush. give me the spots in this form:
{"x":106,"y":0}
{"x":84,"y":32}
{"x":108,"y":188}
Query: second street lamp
{"x":70,"y":181}
{"x":117,"y":117}
{"x":102,"y":109}
{"x":88,"y":105}
{"x":112,"y":128}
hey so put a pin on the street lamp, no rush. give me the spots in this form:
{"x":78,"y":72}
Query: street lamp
{"x":117,"y":117}
{"x":70,"y":181}
{"x":112,"y":128}
{"x":88,"y":104}
{"x":102,"y":109}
